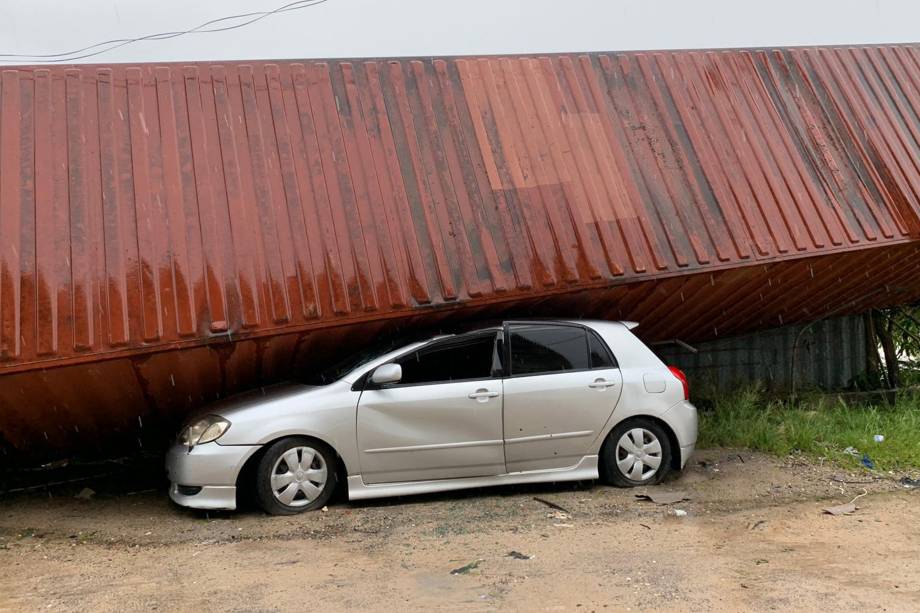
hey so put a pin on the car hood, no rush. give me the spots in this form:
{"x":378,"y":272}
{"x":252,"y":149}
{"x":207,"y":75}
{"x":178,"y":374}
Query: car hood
{"x":268,"y":413}
{"x":233,"y":405}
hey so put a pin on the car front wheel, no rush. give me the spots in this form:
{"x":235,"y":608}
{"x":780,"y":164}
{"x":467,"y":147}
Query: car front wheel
{"x":637,"y":452}
{"x":296,"y":474}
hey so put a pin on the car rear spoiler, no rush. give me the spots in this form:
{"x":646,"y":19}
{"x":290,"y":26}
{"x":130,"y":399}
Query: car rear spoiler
{"x":630,"y":324}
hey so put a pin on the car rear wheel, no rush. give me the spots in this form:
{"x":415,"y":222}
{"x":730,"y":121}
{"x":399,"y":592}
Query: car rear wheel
{"x":296,"y":474}
{"x":638,"y":452}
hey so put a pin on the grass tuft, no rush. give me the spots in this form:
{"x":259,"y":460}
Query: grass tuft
{"x":817,"y":427}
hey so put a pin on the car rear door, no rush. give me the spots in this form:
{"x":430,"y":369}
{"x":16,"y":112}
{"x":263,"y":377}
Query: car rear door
{"x":442,"y":420}
{"x":562,"y":386}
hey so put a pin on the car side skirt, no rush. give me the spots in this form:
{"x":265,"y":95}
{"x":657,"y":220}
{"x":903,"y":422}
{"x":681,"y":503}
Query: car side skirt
{"x":585,"y":470}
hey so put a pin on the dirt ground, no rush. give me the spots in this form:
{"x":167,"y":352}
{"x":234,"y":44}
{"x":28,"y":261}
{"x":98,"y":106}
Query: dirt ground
{"x":753,"y":538}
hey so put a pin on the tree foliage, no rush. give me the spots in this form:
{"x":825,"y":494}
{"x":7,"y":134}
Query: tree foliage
{"x":899,"y":329}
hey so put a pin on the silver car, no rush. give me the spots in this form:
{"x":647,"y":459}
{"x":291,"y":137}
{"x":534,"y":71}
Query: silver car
{"x":520,"y":402}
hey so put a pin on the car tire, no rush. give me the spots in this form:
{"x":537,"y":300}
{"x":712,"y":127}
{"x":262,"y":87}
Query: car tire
{"x":295,"y":474}
{"x":622,"y":467}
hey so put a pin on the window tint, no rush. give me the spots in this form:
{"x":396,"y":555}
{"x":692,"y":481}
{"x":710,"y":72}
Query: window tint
{"x":453,"y":360}
{"x":542,"y":349}
{"x":600,"y":355}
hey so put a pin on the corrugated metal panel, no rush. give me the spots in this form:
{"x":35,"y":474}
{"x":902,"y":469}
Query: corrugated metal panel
{"x":155,"y":208}
{"x":830,"y":355}
{"x":144,"y":205}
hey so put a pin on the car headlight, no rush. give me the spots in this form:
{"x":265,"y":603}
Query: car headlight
{"x":204,"y":430}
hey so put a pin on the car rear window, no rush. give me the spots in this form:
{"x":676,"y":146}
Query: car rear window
{"x":600,"y":355}
{"x":537,"y":349}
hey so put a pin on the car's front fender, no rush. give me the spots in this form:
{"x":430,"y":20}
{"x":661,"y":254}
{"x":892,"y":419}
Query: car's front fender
{"x":327,"y":414}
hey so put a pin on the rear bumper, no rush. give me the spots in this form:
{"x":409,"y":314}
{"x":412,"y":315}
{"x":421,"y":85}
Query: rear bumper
{"x":685,"y":453}
{"x":211,"y":467}
{"x":683,"y":420}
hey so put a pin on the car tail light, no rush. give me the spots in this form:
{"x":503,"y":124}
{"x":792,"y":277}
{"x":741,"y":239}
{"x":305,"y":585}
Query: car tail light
{"x":683,"y":380}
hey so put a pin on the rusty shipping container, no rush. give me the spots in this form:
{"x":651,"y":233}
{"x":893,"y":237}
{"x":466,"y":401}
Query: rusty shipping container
{"x":174,"y":233}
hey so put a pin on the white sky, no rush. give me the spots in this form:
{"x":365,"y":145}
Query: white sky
{"x":361,"y":28}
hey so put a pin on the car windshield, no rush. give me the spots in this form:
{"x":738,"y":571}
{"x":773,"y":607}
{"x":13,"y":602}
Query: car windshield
{"x":355,"y":360}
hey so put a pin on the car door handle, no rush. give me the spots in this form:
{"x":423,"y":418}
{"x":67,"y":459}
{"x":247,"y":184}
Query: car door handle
{"x":601,"y":384}
{"x":483,"y":395}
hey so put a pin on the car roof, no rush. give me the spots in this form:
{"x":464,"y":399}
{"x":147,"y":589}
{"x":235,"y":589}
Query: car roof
{"x":431,"y":333}
{"x":418,"y":338}
{"x":471,"y":327}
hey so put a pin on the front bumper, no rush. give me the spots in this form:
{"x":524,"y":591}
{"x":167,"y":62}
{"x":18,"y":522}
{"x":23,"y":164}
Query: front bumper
{"x":212,"y":497}
{"x":212,"y":467}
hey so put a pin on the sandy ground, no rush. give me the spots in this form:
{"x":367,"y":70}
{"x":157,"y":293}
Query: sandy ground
{"x":753,"y":538}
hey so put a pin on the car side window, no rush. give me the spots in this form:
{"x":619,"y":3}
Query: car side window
{"x":600,"y":354}
{"x":451,"y":360}
{"x":541,"y":348}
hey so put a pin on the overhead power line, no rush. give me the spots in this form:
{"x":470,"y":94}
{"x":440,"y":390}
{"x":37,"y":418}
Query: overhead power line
{"x":221,"y":24}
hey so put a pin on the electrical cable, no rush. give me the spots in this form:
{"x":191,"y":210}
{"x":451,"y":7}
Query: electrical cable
{"x":200,"y":29}
{"x":117,"y":43}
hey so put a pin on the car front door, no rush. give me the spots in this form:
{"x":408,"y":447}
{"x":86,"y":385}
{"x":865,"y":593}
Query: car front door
{"x":562,"y":386}
{"x":442,"y":420}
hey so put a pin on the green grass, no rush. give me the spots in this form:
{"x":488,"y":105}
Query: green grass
{"x":815,"y":427}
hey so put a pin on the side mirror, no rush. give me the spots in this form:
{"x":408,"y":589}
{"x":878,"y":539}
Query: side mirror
{"x":388,"y":373}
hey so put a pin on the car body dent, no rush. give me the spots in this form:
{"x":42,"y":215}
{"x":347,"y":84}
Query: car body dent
{"x":535,"y":435}
{"x":207,"y":464}
{"x":423,"y":432}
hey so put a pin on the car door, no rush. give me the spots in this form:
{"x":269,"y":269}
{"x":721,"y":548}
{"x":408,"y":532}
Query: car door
{"x":442,"y":420}
{"x":562,"y":386}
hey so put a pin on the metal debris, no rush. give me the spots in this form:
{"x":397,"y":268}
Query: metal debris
{"x":662,"y":497}
{"x":517,"y":555}
{"x":552,"y":505}
{"x":843,"y":509}
{"x":465,"y":570}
